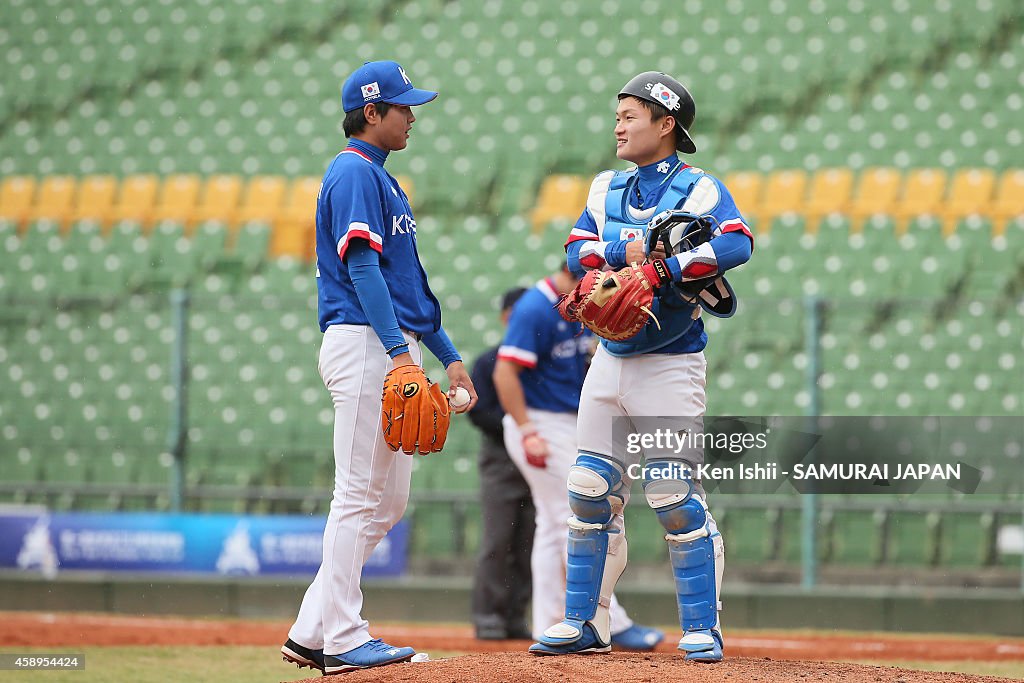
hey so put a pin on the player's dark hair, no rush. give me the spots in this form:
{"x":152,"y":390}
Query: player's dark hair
{"x":355,"y":120}
{"x":509,"y":298}
{"x":658,"y":112}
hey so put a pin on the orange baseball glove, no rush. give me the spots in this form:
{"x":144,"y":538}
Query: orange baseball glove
{"x":414,"y":411}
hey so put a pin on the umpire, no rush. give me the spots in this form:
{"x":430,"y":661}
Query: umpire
{"x":501,"y":584}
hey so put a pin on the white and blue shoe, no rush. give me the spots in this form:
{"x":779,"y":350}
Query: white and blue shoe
{"x":704,"y":645}
{"x":570,"y":637}
{"x":368,"y":655}
{"x":637,"y":637}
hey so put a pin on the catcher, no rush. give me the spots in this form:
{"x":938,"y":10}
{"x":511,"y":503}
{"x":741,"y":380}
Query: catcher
{"x":651,"y":247}
{"x":375,"y":305}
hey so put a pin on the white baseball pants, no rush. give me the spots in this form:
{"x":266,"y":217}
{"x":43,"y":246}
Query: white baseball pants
{"x":371,"y":488}
{"x":551,"y":500}
{"x":650,"y":386}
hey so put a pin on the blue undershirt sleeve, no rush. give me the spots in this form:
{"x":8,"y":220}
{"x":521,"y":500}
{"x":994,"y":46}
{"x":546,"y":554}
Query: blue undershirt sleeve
{"x":615,"y":254}
{"x":572,"y":258}
{"x":372,"y":292}
{"x":441,"y":346}
{"x":731,"y":249}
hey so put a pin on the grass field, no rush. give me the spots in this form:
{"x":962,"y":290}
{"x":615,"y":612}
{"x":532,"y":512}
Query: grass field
{"x":224,"y":664}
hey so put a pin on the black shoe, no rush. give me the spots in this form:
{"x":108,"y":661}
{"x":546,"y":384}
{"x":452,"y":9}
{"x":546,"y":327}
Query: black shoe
{"x":302,"y":656}
{"x":518,"y":632}
{"x":490,"y":628}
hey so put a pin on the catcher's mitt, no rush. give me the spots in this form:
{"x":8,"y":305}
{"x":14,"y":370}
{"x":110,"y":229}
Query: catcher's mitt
{"x":616,"y":305}
{"x":414,"y":411}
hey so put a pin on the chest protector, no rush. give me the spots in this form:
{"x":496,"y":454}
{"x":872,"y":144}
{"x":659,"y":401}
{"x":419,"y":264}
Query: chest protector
{"x":689,"y":189}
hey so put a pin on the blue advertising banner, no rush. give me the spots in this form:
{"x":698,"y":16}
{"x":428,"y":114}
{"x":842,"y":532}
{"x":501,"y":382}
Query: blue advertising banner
{"x":227,"y":545}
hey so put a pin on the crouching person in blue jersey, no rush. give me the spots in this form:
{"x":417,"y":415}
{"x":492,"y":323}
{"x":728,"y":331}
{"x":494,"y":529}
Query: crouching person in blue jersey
{"x":375,"y":306}
{"x":658,"y":373}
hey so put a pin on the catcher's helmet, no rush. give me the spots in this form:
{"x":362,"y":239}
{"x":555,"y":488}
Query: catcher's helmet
{"x":662,"y":89}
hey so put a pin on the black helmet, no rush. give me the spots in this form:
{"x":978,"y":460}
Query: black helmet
{"x":655,"y":86}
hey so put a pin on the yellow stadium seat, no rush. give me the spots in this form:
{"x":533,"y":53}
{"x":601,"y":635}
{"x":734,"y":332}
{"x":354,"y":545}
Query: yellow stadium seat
{"x":970,"y":193}
{"x":94,"y":198}
{"x":293,"y":238}
{"x":745,"y":188}
{"x":1009,"y":200}
{"x":135,"y":200}
{"x":875,"y":195}
{"x":783,"y":193}
{"x":829,"y":193}
{"x":54,"y":199}
{"x":177,"y":199}
{"x":922,"y":195}
{"x":294,"y":230}
{"x":560,"y":196}
{"x":300,"y":204}
{"x":262,"y":200}
{"x":405,"y":182}
{"x":16,"y":194}
{"x":219,"y":200}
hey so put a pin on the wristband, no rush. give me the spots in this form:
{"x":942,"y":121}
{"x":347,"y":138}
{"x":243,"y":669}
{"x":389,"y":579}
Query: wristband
{"x":657,"y":272}
{"x":527,"y":429}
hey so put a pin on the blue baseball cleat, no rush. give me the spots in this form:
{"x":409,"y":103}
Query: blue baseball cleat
{"x":371,"y":654}
{"x":637,"y":637}
{"x":302,"y":656}
{"x":702,"y":645}
{"x":570,"y":637}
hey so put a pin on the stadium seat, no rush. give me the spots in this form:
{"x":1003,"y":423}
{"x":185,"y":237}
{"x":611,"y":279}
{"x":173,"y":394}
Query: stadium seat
{"x":923,"y":193}
{"x":177,"y":199}
{"x":262,"y":201}
{"x":94,"y":198}
{"x":405,"y":182}
{"x":783,"y":193}
{"x":876,"y":193}
{"x":16,"y":195}
{"x":135,"y":199}
{"x":1009,"y":200}
{"x":560,"y":196}
{"x":829,"y":193}
{"x":54,"y":199}
{"x":219,"y":199}
{"x":300,"y":204}
{"x":745,"y":188}
{"x":970,"y":193}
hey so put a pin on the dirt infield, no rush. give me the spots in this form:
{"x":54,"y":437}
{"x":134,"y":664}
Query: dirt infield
{"x":763,"y":657}
{"x":521,"y":667}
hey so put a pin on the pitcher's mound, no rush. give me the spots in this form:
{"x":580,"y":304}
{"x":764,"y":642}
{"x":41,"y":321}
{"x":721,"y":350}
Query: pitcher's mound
{"x":522,"y":667}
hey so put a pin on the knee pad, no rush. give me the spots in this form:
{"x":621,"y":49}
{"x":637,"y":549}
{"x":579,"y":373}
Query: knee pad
{"x":669,"y":492}
{"x":592,"y":482}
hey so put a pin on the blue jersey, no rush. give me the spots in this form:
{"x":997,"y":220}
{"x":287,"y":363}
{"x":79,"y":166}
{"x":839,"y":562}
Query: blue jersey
{"x":552,"y":352}
{"x":358,"y":199}
{"x":618,"y":208}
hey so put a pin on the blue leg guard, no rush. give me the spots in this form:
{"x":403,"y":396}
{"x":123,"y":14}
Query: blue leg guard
{"x":692,"y":554}
{"x":591,"y":572}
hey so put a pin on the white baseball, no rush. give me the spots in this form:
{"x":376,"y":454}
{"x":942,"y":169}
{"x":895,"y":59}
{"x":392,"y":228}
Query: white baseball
{"x":460,"y":398}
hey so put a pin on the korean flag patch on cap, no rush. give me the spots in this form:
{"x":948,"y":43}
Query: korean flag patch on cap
{"x":370,"y":90}
{"x":664,"y":96}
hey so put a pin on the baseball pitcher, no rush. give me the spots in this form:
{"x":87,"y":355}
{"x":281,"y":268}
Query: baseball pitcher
{"x":375,"y":305}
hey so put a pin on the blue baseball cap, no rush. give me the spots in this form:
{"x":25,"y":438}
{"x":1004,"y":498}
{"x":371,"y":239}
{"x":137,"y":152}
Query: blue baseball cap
{"x":381,"y":82}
